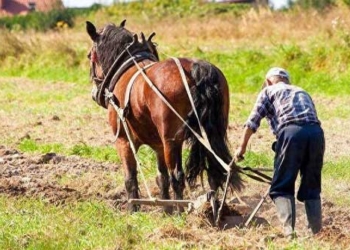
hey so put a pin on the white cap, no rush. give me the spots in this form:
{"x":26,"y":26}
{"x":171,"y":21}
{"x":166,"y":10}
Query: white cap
{"x":275,"y":71}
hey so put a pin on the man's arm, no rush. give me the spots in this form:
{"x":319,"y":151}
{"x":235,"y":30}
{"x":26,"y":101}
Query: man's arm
{"x":252,"y":124}
{"x":247,"y":133}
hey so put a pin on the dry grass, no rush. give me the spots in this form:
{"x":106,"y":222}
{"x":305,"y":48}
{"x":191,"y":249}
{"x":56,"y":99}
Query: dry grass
{"x":254,"y":28}
{"x":262,"y":28}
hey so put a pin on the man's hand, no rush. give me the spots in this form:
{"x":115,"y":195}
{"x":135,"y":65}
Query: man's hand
{"x":239,"y":154}
{"x":247,"y":133}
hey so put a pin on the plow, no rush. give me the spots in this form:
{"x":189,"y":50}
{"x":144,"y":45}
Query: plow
{"x":201,"y":203}
{"x":211,"y":201}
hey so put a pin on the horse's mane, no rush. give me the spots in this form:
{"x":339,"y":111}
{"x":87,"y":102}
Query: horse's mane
{"x":113,"y":41}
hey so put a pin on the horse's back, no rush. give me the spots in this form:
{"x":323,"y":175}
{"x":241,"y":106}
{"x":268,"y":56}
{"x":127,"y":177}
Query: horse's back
{"x":148,"y":109}
{"x":166,"y":76}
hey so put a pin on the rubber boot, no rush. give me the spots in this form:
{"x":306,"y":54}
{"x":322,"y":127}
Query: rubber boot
{"x":313,"y":211}
{"x":285,"y":206}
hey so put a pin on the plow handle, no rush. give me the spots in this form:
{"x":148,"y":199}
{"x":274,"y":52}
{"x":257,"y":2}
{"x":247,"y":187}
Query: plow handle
{"x":257,"y":208}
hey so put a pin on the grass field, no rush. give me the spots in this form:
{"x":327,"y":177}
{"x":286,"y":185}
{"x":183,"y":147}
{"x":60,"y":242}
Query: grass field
{"x":45,"y":106}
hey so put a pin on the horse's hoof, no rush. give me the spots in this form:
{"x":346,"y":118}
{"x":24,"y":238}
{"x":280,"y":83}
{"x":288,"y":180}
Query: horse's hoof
{"x":168,"y":210}
{"x":180,"y":209}
{"x":132,"y":208}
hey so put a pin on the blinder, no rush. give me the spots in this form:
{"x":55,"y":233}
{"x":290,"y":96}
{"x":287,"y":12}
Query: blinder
{"x":96,"y":88}
{"x":96,"y":80}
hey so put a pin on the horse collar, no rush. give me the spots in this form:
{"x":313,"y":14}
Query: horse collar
{"x":110,"y":80}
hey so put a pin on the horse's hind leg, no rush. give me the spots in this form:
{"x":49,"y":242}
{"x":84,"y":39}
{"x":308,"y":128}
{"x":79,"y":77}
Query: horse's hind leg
{"x":172,"y":155}
{"x":213,"y":183}
{"x":130,"y":172}
{"x":163,"y":180}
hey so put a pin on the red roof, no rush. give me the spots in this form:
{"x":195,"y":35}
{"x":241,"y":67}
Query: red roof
{"x":15,"y":7}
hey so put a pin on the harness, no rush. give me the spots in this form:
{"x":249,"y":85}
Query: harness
{"x":131,"y":55}
{"x":123,"y":111}
{"x":134,"y":52}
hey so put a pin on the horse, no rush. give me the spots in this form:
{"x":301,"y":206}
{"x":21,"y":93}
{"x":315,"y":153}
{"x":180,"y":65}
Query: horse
{"x":119,"y":63}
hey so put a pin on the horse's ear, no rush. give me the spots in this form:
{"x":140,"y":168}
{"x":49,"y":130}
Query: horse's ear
{"x":151,"y":36}
{"x":91,"y":30}
{"x":135,"y":38}
{"x":122,"y":24}
{"x":143,"y":37}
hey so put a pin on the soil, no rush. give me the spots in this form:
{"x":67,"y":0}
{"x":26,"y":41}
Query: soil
{"x":42,"y":176}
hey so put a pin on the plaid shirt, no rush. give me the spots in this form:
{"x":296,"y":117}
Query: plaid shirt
{"x":282,"y":104}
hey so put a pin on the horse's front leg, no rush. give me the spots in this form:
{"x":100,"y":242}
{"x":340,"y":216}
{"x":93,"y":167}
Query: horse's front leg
{"x":130,"y":171}
{"x":173,"y":159}
{"x":128,"y":159}
{"x":162,"y":179}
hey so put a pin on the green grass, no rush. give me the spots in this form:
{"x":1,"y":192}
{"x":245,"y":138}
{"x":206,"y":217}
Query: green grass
{"x":49,"y":69}
{"x":28,"y":224}
{"x":33,"y":224}
{"x":28,"y":145}
{"x":317,"y":67}
{"x":34,"y":97}
{"x":254,"y":159}
{"x":245,"y":70}
{"x":338,"y":169}
{"x":97,"y":153}
{"x":335,"y":181}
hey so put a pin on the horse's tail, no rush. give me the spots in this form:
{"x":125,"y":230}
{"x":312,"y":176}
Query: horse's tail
{"x":209,"y":100}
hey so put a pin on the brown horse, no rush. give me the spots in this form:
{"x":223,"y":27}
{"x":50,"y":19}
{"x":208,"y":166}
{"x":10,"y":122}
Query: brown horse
{"x":113,"y":59}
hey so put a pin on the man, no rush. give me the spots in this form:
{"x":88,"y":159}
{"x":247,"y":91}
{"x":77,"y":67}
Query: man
{"x":300,"y":146}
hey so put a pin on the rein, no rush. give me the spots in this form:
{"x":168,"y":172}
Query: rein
{"x":259,"y":176}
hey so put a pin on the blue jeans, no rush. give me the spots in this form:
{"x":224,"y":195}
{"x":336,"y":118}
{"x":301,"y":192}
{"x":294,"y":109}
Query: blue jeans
{"x":299,"y":148}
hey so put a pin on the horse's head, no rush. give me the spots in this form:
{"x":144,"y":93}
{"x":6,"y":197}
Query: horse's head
{"x":109,"y":44}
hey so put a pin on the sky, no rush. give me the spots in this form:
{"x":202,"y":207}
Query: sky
{"x":86,"y":3}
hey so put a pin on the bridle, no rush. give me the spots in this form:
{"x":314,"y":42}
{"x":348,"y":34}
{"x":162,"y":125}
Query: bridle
{"x":132,"y":52}
{"x":92,"y":56}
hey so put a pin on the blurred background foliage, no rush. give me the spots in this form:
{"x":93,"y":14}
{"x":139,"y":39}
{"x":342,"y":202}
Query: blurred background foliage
{"x":156,"y":9}
{"x":311,"y":39}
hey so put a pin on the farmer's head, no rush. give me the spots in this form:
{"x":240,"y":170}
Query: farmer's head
{"x":276,"y":75}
